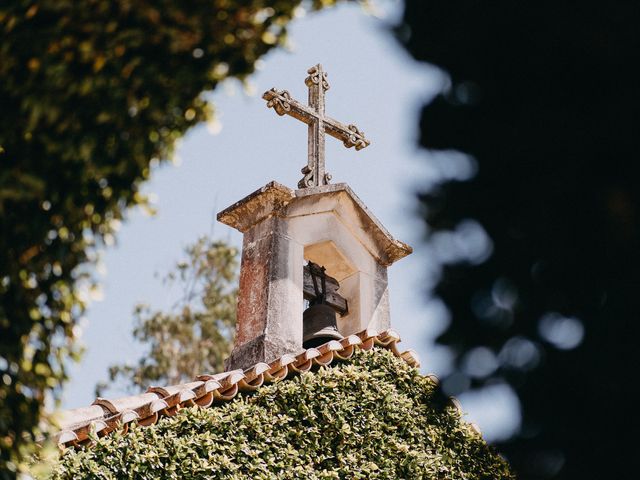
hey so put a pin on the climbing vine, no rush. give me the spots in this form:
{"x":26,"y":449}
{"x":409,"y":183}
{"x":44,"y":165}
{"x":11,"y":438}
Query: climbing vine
{"x":371,"y":417}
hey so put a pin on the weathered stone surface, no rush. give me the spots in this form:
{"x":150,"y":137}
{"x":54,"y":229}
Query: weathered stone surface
{"x":344,"y":203}
{"x":283,"y":230}
{"x":318,"y":125}
{"x":260,"y":349}
{"x":257,"y":206}
{"x":268,"y":293}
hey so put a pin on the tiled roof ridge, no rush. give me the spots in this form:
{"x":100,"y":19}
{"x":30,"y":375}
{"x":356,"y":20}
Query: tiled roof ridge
{"x":105,"y":416}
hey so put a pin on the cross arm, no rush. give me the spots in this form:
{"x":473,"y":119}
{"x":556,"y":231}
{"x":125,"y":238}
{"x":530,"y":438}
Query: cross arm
{"x":282,"y":103}
{"x":349,"y":135}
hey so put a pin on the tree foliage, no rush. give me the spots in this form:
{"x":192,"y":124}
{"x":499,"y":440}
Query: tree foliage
{"x":196,"y":335}
{"x":372,"y":417}
{"x":544,"y":96}
{"x":93,"y":94}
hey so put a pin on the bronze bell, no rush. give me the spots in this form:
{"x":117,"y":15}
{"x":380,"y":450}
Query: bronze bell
{"x":319,"y":322}
{"x":319,"y":325}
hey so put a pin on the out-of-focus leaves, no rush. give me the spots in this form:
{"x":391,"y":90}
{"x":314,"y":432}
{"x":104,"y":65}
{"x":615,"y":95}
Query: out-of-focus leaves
{"x":544,"y":97}
{"x":91,"y":93}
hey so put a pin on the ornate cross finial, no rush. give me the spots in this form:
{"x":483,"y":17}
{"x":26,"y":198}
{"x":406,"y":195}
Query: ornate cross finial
{"x":313,"y":115}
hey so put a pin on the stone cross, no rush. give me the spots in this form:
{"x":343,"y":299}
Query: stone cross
{"x":318,"y":124}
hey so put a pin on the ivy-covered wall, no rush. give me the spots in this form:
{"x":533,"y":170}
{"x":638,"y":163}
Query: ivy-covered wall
{"x":371,"y":417}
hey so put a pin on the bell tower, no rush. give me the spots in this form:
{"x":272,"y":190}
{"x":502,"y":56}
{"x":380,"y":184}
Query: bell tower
{"x":318,"y":243}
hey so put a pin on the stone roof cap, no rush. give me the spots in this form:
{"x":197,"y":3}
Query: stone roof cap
{"x":275,"y":199}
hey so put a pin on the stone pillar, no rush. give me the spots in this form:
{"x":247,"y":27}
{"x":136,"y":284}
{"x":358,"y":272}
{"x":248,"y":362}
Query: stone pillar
{"x":270,"y":295}
{"x":282,"y":230}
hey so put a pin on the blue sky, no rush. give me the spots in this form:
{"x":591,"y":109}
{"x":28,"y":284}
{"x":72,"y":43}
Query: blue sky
{"x":375,"y":85}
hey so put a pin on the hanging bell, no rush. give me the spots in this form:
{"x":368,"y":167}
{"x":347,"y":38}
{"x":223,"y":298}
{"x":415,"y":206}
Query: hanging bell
{"x":319,"y":322}
{"x":319,"y":326}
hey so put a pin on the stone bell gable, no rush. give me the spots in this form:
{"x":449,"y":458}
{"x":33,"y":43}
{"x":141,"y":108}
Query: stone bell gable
{"x":283,"y":230}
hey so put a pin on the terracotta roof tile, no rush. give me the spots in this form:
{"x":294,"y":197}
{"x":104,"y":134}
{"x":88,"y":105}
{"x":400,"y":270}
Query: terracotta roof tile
{"x":327,"y":351}
{"x":279,"y":368}
{"x":177,"y":393}
{"x":81,"y":416}
{"x":304,"y":361}
{"x":254,"y":377}
{"x":107,"y":415}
